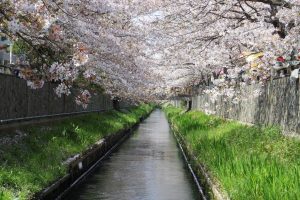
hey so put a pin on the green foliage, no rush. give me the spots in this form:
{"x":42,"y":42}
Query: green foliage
{"x":20,"y":47}
{"x":37,"y":160}
{"x":38,"y":55}
{"x":249,"y":162}
{"x":81,"y":82}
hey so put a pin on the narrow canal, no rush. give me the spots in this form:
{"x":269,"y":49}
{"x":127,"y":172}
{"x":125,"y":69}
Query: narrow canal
{"x":148,"y":166}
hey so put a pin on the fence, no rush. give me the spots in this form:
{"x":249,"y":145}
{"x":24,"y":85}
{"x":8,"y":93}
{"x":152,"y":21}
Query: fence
{"x":19,"y":101}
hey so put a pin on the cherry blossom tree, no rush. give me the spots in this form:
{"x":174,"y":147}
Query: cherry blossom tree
{"x":140,"y":50}
{"x":234,"y":40}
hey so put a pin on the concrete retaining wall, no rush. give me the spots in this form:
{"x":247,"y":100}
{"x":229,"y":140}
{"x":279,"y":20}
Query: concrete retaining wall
{"x":19,"y":101}
{"x":82,"y":166}
{"x":278,"y":105}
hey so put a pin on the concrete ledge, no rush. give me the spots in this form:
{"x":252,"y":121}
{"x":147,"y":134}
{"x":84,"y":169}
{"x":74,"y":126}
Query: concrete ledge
{"x":82,"y":165}
{"x":12,"y":123}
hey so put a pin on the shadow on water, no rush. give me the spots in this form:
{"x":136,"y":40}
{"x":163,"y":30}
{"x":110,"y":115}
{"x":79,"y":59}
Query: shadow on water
{"x":148,"y":166}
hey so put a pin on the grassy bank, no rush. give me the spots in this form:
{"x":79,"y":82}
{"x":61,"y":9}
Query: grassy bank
{"x":248,"y":162}
{"x":33,"y":159}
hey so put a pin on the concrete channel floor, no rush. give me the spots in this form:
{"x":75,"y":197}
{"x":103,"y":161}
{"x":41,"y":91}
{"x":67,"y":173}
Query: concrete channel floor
{"x":147,"y":166}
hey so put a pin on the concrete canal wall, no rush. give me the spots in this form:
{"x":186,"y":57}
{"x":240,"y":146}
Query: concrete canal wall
{"x":277,"y":105}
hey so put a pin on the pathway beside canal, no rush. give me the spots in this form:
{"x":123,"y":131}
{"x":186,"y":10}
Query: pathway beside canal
{"x":148,"y":166}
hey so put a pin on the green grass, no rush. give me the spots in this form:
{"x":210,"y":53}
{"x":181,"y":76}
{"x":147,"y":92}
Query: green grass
{"x":249,"y":162}
{"x":36,"y":161}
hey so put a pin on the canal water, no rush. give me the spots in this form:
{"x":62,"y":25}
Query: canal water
{"x":147,"y":166}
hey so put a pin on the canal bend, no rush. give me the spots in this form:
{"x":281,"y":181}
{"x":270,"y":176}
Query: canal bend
{"x":148,"y":166}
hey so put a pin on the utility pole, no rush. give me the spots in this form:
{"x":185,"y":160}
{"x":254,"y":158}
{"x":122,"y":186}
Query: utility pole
{"x":10,"y":52}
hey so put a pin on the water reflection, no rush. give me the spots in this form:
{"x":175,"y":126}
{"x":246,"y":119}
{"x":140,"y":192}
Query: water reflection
{"x":148,"y":166}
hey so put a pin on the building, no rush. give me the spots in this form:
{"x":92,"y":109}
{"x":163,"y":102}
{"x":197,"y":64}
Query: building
{"x":6,"y":55}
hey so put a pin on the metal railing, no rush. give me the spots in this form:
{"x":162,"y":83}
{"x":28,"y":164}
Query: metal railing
{"x":32,"y":118}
